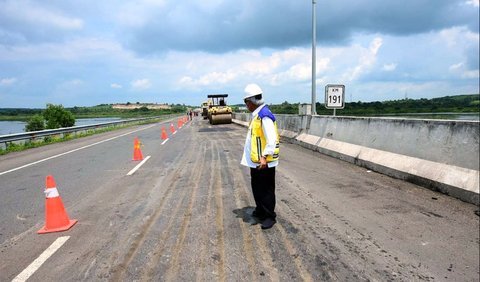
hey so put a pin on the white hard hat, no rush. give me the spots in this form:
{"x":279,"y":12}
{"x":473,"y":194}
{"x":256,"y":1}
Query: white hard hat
{"x":252,"y":90}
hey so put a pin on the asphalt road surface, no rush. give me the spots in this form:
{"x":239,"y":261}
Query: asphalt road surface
{"x":184,"y":215}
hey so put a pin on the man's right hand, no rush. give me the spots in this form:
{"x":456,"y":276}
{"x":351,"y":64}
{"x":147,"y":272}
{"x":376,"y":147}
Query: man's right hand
{"x":263,"y":163}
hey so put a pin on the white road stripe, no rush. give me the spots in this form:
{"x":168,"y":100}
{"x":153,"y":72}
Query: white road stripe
{"x":74,"y":150}
{"x":174,"y":132}
{"x":165,"y":141}
{"x":35,"y":265}
{"x":138,"y":166}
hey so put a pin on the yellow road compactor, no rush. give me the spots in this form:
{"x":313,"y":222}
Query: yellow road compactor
{"x":218,"y":111}
{"x":205,"y":109}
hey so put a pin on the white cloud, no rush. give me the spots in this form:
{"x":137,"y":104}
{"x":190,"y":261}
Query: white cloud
{"x":456,"y":67}
{"x":186,"y":80}
{"x":284,"y":67}
{"x":367,"y":59}
{"x":212,"y":79}
{"x":300,"y":71}
{"x":471,"y":74}
{"x":30,"y":12}
{"x":116,"y":86}
{"x":141,"y":84}
{"x":475,"y":3}
{"x":461,"y":70}
{"x":217,"y":77}
{"x":389,"y":67}
{"x":375,"y":45}
{"x":275,"y":68}
{"x":75,"y":82}
{"x":458,"y":36}
{"x":7,"y":81}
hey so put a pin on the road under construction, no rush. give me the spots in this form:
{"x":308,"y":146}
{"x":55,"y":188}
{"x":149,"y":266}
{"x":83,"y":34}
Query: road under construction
{"x":182,"y":212}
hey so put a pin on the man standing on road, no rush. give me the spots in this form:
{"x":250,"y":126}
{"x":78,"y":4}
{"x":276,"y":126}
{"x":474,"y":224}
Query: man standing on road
{"x":260,"y":153}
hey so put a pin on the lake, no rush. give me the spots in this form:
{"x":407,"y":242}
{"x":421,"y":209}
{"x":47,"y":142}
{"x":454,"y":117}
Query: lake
{"x":11,"y":127}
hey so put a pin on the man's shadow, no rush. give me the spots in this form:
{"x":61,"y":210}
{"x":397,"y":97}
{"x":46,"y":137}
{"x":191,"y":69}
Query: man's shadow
{"x":246,"y":215}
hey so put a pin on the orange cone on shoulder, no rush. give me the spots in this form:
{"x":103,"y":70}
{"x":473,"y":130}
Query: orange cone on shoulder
{"x":56,"y":218}
{"x":137,"y":153}
{"x":164,"y":133}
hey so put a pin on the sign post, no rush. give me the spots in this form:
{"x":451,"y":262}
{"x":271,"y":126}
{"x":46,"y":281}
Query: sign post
{"x":334,"y":97}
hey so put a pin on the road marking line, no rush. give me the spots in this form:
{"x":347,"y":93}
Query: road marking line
{"x":165,"y":141}
{"x":138,"y":166}
{"x":74,"y":150}
{"x":174,"y":132}
{"x":35,"y":265}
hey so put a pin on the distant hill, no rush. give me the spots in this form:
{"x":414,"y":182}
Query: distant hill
{"x":129,"y":106}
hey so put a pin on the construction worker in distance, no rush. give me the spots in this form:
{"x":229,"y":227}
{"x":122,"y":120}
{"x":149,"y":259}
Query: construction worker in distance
{"x":260,"y":153}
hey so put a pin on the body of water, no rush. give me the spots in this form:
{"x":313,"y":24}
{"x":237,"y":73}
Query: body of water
{"x":11,"y":127}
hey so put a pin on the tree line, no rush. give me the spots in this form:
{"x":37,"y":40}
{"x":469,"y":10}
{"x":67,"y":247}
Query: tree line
{"x":455,"y":104}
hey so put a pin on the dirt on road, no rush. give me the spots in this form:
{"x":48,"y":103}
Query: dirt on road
{"x":186,"y":216}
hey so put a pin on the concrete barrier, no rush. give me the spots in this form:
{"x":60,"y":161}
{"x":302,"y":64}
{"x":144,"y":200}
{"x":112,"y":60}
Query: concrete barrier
{"x":441,"y":155}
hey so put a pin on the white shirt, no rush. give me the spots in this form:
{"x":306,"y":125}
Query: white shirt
{"x":270,"y":135}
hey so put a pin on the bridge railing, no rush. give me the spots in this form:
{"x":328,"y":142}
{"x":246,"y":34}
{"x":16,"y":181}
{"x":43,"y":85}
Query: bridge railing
{"x":442,"y":155}
{"x":36,"y":135}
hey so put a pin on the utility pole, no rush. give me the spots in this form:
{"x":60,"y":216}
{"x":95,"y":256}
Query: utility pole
{"x":314,"y":72}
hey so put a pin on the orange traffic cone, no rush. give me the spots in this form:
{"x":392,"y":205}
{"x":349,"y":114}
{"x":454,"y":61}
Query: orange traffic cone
{"x":164,"y":134}
{"x":137,"y":153}
{"x":56,"y":218}
{"x":172,"y":129}
{"x":179,"y":123}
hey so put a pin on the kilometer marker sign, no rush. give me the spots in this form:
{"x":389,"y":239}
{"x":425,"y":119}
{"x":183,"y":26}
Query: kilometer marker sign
{"x":334,"y":96}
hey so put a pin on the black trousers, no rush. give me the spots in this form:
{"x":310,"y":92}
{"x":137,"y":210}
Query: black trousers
{"x":263,"y":188}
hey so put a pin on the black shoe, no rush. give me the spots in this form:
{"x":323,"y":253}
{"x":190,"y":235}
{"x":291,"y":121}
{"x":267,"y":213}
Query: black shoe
{"x":268,"y":223}
{"x":258,"y":215}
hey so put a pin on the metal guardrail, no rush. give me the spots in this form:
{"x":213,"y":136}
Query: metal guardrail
{"x":32,"y":135}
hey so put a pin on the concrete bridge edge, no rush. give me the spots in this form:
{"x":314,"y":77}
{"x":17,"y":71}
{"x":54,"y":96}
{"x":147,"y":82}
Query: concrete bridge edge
{"x":464,"y":187}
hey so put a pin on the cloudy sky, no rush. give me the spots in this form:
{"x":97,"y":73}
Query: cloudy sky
{"x":84,"y":53}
